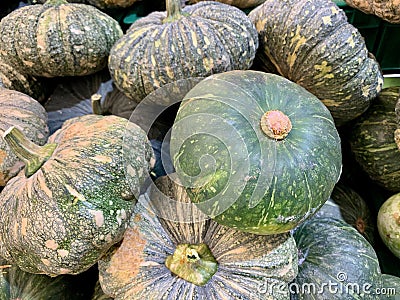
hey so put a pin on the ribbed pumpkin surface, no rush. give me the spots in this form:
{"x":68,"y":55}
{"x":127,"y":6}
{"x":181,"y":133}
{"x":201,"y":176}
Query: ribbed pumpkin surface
{"x":71,"y":210}
{"x":24,"y":112}
{"x":247,"y":263}
{"x":311,"y":43}
{"x":58,"y":38}
{"x":205,"y":38}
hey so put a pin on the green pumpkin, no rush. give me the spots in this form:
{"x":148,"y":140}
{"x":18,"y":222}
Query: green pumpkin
{"x":312,"y":43}
{"x":24,"y":112}
{"x":58,"y":39}
{"x":75,"y":195}
{"x":196,"y":41}
{"x":372,"y":139}
{"x":255,"y":151}
{"x":333,"y":255}
{"x":172,"y":251}
{"x":389,"y":223}
{"x":390,"y":287}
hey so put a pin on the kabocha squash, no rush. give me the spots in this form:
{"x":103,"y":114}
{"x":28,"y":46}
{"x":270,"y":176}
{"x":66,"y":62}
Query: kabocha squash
{"x":238,"y":3}
{"x":256,"y":151}
{"x":74,"y":198}
{"x":390,"y":287}
{"x":196,"y":41}
{"x":11,"y":79}
{"x":24,"y":112}
{"x":389,"y":223}
{"x":388,"y":10}
{"x":311,"y":43}
{"x":183,"y":255}
{"x":58,"y":39}
{"x":354,"y":210}
{"x":335,"y":262}
{"x":72,"y":97}
{"x":372,"y":140}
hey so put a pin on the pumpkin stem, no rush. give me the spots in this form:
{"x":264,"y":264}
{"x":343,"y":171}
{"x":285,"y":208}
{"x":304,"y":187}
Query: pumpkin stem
{"x":32,"y":155}
{"x":275,"y":124}
{"x":192,"y":262}
{"x":174,"y":10}
{"x":96,"y":104}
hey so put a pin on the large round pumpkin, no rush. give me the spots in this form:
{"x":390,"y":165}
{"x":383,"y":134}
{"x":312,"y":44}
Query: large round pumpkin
{"x":373,"y":142}
{"x":311,"y":43}
{"x":196,"y":41}
{"x":24,"y":112}
{"x":58,"y":38}
{"x":75,"y":196}
{"x":256,"y":151}
{"x":172,"y":251}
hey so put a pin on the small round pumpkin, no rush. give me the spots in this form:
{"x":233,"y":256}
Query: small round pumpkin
{"x":74,"y":198}
{"x":172,"y":251}
{"x":388,"y":10}
{"x":58,"y":39}
{"x":311,"y":43}
{"x":196,"y":41}
{"x":256,"y":151}
{"x":373,"y":143}
{"x":24,"y":112}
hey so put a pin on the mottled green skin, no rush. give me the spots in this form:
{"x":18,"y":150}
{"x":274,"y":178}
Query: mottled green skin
{"x":391,"y":284}
{"x":372,"y":143}
{"x":64,"y":217}
{"x":329,"y":251}
{"x":28,"y":115}
{"x":248,"y":264}
{"x":312,"y":43}
{"x":284,"y":181}
{"x":64,"y":39}
{"x":389,"y":223}
{"x":208,"y":38}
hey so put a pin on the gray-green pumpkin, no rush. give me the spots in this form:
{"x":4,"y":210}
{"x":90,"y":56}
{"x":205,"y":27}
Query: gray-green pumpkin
{"x":172,"y":251}
{"x":58,"y":39}
{"x":196,"y":41}
{"x":312,"y":43}
{"x":73,"y":199}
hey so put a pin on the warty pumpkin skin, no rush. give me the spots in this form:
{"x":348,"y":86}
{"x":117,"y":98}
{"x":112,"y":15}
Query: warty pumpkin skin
{"x":24,"y":112}
{"x":249,"y":266}
{"x":69,"y":211}
{"x":196,"y":41}
{"x":388,"y":10}
{"x":58,"y":39}
{"x":311,"y":43}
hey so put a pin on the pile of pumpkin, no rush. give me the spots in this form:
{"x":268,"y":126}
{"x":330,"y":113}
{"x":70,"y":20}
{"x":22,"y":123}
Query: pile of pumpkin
{"x":207,"y":152}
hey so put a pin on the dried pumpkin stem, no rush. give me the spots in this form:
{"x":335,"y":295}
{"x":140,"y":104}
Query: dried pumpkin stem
{"x":32,"y":155}
{"x":193,"y":263}
{"x":174,"y":10}
{"x":275,"y":124}
{"x":96,"y":104}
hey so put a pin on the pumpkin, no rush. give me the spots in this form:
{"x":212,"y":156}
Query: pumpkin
{"x":354,"y":210}
{"x":242,"y":4}
{"x":329,"y":210}
{"x":74,"y":198}
{"x":390,"y":286}
{"x":388,"y":223}
{"x":72,"y":97}
{"x":195,"y":41}
{"x":388,"y":10}
{"x":311,"y":43}
{"x":256,"y":151}
{"x":24,"y":112}
{"x":172,"y":251}
{"x":372,"y":140}
{"x":11,"y":79}
{"x":335,"y":262}
{"x":58,"y":39}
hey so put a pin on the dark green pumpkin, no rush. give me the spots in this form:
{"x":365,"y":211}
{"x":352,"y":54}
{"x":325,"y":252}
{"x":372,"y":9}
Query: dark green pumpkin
{"x":74,"y":198}
{"x":312,"y":43}
{"x":217,"y":262}
{"x":229,"y":149}
{"x":196,"y":41}
{"x":58,"y":39}
{"x":24,"y":112}
{"x":333,"y":255}
{"x":372,"y":140}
